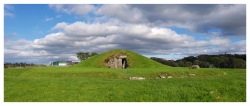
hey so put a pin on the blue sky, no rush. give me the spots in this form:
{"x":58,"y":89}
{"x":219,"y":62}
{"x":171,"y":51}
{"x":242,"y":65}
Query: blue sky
{"x":40,"y":33}
{"x":30,"y":21}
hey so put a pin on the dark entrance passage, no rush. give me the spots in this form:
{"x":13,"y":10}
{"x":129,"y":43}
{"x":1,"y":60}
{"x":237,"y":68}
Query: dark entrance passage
{"x":124,"y":63}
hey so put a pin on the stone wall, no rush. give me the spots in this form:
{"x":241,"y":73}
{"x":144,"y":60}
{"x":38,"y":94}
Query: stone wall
{"x":114,"y":62}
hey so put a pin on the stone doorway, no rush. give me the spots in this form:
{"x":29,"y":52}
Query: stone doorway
{"x":124,"y":63}
{"x":117,"y":62}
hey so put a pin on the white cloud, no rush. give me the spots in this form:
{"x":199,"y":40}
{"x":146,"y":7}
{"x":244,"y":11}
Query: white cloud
{"x":13,"y":50}
{"x":230,"y":19}
{"x":8,"y":37}
{"x":30,"y":52}
{"x":58,"y":16}
{"x":8,"y":9}
{"x":17,"y":45}
{"x":96,"y":37}
{"x":82,"y":29}
{"x":135,"y":31}
{"x":122,"y":12}
{"x":79,"y":9}
{"x":8,"y":14}
{"x":62,"y":46}
{"x":140,"y":28}
{"x":61,"y":25}
{"x":48,"y":19}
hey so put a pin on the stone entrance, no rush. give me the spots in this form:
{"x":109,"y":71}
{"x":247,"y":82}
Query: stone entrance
{"x":114,"y":62}
{"x":124,"y":63}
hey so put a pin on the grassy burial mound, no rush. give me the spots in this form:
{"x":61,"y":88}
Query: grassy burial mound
{"x":133,"y":60}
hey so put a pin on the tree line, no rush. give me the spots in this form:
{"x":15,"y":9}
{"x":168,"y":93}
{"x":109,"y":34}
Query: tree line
{"x":22,"y":65}
{"x":208,"y":61}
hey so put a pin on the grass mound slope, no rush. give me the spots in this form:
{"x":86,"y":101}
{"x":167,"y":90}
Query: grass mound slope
{"x":135,"y":60}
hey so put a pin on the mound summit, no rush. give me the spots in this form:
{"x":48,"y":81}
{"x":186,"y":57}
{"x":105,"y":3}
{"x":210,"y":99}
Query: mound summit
{"x":128,"y":59}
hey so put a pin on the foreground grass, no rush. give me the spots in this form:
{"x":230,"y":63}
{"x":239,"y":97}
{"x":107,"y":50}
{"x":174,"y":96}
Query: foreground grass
{"x":73,"y":84}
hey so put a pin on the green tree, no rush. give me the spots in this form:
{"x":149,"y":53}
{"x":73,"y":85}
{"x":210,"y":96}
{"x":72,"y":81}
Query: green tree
{"x":215,"y":61}
{"x":84,"y":55}
{"x":93,"y":53}
{"x":190,"y":58}
{"x":223,"y":61}
{"x":188,"y":63}
{"x":238,"y":63}
{"x":197,"y":62}
{"x":204,"y":64}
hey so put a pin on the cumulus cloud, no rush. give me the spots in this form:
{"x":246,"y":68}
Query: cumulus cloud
{"x":59,"y":46}
{"x":79,"y":9}
{"x":13,"y":50}
{"x":102,"y":37}
{"x":230,"y":19}
{"x":123,"y":12}
{"x":136,"y":31}
{"x":8,"y":37}
{"x":28,"y":51}
{"x":140,"y":28}
{"x":17,"y":45}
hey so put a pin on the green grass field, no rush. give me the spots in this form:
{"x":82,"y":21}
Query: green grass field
{"x":77,"y":84}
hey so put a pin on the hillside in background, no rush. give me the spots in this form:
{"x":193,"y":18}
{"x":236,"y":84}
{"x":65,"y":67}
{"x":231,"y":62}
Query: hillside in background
{"x":134,"y":60}
{"x":208,"y":61}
